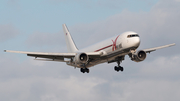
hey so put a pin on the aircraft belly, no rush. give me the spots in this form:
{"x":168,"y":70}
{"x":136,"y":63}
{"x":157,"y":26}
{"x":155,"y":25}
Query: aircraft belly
{"x":95,"y":63}
{"x":105,"y":59}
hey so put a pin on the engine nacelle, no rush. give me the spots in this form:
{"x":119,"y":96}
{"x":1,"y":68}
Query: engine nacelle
{"x":139,"y":56}
{"x":81,"y":58}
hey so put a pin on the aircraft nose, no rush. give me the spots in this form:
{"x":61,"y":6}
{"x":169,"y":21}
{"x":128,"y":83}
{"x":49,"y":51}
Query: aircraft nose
{"x":136,"y":41}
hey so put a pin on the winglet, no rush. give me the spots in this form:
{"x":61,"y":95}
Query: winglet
{"x":173,"y":44}
{"x":69,"y":41}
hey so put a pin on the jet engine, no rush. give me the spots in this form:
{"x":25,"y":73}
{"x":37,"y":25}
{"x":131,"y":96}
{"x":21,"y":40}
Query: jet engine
{"x":139,"y":56}
{"x":81,"y":58}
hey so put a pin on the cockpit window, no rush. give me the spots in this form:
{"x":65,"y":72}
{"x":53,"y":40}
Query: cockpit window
{"x":133,"y":35}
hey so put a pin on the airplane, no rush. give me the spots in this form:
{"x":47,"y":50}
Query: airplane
{"x":110,"y":50}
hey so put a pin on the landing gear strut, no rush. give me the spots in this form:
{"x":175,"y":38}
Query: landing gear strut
{"x":83,"y":70}
{"x":118,"y":68}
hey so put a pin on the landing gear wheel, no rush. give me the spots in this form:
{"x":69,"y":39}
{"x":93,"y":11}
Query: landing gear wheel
{"x":87,"y":70}
{"x":121,"y":68}
{"x":83,"y":70}
{"x":116,"y":68}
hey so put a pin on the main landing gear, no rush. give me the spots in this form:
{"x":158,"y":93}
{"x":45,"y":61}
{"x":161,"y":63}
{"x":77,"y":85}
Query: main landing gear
{"x":83,"y":70}
{"x":118,"y":68}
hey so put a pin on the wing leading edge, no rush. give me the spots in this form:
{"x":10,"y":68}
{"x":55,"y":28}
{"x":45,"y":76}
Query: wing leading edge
{"x":154,"y":49}
{"x":54,"y":56}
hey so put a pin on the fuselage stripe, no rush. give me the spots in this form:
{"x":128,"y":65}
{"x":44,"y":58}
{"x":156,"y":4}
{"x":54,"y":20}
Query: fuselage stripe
{"x":103,"y":48}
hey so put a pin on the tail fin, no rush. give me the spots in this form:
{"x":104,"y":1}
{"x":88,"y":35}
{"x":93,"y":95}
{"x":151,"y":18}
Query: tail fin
{"x":69,"y":41}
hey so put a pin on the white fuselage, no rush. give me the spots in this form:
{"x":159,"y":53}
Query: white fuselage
{"x":115,"y":44}
{"x":119,"y":42}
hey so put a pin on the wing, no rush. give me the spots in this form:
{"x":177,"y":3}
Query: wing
{"x":153,"y":49}
{"x":54,"y":56}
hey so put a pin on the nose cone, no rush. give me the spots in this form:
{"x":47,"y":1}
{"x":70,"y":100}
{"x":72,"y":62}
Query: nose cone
{"x":136,"y":41}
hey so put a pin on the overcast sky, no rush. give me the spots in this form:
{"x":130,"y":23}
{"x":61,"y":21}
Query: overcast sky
{"x":36,"y":25}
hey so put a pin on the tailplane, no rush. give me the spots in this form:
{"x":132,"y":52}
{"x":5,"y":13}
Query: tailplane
{"x":69,"y":41}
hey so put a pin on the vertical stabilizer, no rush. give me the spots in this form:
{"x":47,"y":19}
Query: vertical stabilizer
{"x":69,"y":41}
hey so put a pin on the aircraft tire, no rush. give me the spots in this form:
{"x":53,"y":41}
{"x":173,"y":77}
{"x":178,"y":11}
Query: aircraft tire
{"x":82,"y":70}
{"x":87,"y":70}
{"x":116,"y":68}
{"x":122,"y":69}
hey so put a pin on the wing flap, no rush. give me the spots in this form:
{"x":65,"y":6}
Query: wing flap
{"x":154,"y":49}
{"x":47,"y":56}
